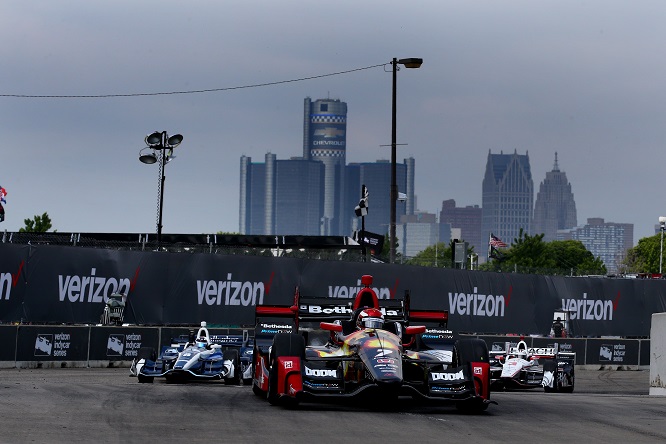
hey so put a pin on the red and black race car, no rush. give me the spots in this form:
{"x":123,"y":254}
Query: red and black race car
{"x":317,"y":349}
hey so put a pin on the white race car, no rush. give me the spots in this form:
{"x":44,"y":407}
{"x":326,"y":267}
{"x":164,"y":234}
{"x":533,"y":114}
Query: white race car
{"x":521,"y":366}
{"x":200,"y":356}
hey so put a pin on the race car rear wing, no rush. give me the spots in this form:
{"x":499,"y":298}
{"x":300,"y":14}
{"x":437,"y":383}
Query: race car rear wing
{"x":309,"y":309}
{"x":538,"y":352}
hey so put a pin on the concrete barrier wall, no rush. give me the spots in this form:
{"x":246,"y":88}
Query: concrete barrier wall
{"x":47,"y":346}
{"x":658,"y":354}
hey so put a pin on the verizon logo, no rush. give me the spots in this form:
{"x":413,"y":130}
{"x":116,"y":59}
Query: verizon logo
{"x":91,"y":288}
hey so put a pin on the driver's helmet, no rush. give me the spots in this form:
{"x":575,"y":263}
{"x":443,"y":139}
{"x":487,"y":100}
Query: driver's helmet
{"x":201,"y":342}
{"x":370,"y":318}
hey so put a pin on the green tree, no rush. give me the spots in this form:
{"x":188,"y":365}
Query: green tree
{"x":644,"y":257}
{"x":385,"y":255}
{"x":39,"y":224}
{"x":438,"y":255}
{"x":572,"y":256}
{"x":530,"y":254}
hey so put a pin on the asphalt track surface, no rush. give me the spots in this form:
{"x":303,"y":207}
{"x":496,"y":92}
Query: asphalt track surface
{"x":108,"y":406}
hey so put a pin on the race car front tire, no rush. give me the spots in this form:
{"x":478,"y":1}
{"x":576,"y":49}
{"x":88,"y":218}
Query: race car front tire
{"x":472,"y":406}
{"x":145,"y":379}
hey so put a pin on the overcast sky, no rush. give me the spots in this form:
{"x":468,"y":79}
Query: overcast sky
{"x":586,"y":79}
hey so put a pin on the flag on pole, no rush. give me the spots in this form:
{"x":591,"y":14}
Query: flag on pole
{"x":3,"y":193}
{"x":362,"y":207}
{"x":496,"y":242}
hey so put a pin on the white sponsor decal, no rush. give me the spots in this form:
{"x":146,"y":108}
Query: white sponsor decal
{"x":448,"y":376}
{"x":230,"y":292}
{"x":90,"y":288}
{"x":320,"y":373}
{"x":475,"y":304}
{"x":589,"y":309}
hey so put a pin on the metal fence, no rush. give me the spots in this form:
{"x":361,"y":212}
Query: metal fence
{"x":308,"y":247}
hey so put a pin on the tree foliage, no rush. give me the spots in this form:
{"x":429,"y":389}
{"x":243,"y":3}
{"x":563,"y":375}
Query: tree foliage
{"x":38,"y":224}
{"x":530,"y":254}
{"x":439,"y":255}
{"x":644,"y":257}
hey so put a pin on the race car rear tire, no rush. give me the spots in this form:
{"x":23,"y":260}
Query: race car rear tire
{"x":233,"y":356}
{"x":284,"y":344}
{"x":570,"y":388}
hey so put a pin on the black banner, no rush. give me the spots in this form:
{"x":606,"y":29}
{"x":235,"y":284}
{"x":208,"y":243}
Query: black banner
{"x":46,"y":343}
{"x":612,"y":352}
{"x":120,"y":343}
{"x":70,"y":285}
{"x":8,"y":342}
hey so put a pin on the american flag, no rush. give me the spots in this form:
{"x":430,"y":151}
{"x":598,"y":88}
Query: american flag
{"x":496,"y":242}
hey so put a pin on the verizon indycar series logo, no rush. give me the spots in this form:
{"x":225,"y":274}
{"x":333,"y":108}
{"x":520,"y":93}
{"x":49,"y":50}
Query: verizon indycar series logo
{"x":56,"y":345}
{"x":123,"y":345}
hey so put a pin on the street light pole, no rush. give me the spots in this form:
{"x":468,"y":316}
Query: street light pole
{"x":662,"y":226}
{"x":160,"y":141}
{"x":408,"y":63}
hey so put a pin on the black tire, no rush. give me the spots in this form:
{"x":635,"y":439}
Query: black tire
{"x":570,"y":388}
{"x":233,"y":356}
{"x":145,"y":379}
{"x":284,"y":344}
{"x":472,"y":406}
{"x":147,"y":353}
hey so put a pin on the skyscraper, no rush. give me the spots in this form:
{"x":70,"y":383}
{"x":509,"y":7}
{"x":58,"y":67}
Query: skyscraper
{"x":606,"y":240}
{"x":325,"y":140}
{"x":554,"y":208}
{"x":507,"y":197}
{"x":281,"y":196}
{"x":468,"y":219}
{"x":377,"y":177}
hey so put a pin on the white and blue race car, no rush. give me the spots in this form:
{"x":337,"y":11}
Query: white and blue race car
{"x":198,"y":357}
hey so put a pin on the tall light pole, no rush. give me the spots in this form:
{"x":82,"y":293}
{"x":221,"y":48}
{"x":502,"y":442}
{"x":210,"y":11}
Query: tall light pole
{"x":662,"y":226}
{"x":162,"y":142}
{"x":408,"y":63}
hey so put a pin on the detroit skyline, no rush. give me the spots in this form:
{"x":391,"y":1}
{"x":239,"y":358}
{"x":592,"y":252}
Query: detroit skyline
{"x":583,"y":80}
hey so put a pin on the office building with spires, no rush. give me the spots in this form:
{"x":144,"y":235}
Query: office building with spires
{"x":507,"y":197}
{"x":554,"y":208}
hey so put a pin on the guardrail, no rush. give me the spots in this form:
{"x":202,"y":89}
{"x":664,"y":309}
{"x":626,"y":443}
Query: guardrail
{"x":48,"y":346}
